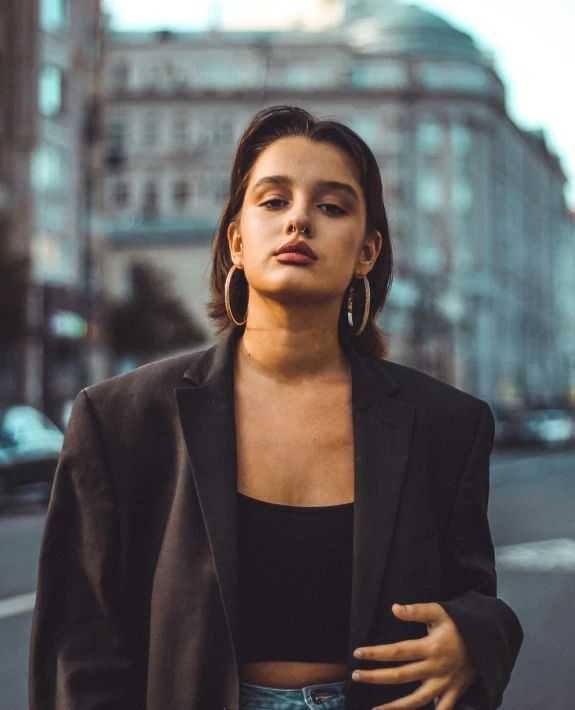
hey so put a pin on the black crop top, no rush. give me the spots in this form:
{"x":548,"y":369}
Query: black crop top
{"x":294,"y":581}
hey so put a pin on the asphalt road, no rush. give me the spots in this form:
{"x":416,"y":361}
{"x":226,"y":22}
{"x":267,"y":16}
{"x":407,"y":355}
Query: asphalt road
{"x":531,"y":511}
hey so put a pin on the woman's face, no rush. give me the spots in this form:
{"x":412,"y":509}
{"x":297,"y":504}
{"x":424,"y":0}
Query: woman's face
{"x":298,"y":194}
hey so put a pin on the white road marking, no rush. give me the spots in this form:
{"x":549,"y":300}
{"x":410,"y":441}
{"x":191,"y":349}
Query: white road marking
{"x":556,"y":555}
{"x":17,"y":605}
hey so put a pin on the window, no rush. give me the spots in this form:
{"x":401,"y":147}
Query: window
{"x":430,"y":257}
{"x":388,"y":75}
{"x":365,"y":127}
{"x":460,"y":139}
{"x":54,"y":15}
{"x":452,"y":76}
{"x":180,"y":132}
{"x":179,"y":77}
{"x":219,"y":130}
{"x":150,"y":132}
{"x":151,"y":77}
{"x":218,"y":76}
{"x":176,"y":75}
{"x":121,"y":194}
{"x":430,"y":191}
{"x":226,"y":130}
{"x":48,"y":250}
{"x":120,"y":75}
{"x":150,"y":207}
{"x":461,"y":195}
{"x":429,"y":135}
{"x":48,"y":257}
{"x":117,"y":128}
{"x":116,"y":136}
{"x":49,"y":168}
{"x":300,"y":76}
{"x":50,"y":90}
{"x":181,"y":194}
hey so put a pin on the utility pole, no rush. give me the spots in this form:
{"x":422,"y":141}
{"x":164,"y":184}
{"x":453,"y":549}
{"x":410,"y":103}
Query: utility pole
{"x":89,"y":138}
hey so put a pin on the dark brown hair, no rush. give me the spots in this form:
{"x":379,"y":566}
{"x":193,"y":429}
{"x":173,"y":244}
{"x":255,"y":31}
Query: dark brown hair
{"x":266,"y":126}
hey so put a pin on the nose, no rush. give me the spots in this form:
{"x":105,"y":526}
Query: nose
{"x":299,"y":219}
{"x":304,"y":229}
{"x":298,"y":223}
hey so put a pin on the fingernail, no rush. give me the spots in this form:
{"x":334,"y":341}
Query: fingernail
{"x":355,"y":675}
{"x":357,"y":653}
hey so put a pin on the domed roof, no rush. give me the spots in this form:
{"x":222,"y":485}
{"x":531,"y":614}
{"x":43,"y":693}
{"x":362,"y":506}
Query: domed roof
{"x":409,"y":29}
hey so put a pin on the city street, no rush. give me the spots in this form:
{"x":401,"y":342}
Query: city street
{"x":427,"y":151}
{"x":531,"y":513}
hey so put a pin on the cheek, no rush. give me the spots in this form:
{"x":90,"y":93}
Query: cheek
{"x":348,"y":249}
{"x":258,"y":240}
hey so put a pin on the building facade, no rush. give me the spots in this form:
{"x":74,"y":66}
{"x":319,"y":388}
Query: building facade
{"x":476,"y":204}
{"x":55,"y":73}
{"x":18,"y":59}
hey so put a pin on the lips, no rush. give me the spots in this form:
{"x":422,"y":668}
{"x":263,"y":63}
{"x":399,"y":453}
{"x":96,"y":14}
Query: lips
{"x":298,"y":247}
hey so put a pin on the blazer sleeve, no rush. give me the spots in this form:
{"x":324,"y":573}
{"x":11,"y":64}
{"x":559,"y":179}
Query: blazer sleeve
{"x":490,"y":629}
{"x":78,"y":658}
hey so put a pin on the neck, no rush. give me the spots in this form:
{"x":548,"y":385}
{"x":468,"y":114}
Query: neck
{"x":285,"y":356}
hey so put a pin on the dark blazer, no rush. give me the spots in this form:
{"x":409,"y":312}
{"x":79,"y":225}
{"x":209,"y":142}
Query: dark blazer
{"x":136,"y":595}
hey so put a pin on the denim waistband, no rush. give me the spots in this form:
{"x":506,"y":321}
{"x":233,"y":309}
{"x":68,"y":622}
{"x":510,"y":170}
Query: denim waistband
{"x":324,"y":696}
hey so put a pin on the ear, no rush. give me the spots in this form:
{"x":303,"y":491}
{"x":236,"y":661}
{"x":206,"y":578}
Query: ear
{"x":371,"y":248}
{"x":377,"y":243}
{"x":234,"y":240}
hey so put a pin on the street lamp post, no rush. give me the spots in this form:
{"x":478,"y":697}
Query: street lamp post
{"x":91,"y":134}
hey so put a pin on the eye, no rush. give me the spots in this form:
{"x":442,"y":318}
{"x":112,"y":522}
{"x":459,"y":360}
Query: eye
{"x":268,"y":202}
{"x":338,"y":209}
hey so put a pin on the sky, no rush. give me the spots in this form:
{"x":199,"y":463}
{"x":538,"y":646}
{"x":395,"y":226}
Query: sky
{"x":532,"y":44}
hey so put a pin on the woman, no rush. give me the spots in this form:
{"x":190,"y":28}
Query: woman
{"x":228,"y":528}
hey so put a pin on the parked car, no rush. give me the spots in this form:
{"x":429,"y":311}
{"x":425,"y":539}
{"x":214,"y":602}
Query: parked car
{"x":547,"y":428}
{"x":30,"y":446}
{"x":551,"y":428}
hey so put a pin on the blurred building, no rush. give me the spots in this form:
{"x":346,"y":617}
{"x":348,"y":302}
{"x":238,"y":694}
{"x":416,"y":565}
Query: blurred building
{"x":476,"y":204}
{"x":52,"y":78}
{"x":565,"y":284}
{"x":18,"y":59}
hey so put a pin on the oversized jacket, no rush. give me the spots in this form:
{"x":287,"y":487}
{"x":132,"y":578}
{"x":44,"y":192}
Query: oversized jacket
{"x":136,"y":605}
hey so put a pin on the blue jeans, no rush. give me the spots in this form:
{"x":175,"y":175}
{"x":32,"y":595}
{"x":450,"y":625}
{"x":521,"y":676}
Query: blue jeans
{"x":326,"y":696}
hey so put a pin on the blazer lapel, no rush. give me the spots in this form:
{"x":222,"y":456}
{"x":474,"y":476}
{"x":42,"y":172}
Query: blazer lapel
{"x":382,"y":432}
{"x":207,"y":419}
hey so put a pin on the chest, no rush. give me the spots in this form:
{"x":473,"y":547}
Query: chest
{"x":296,"y":449}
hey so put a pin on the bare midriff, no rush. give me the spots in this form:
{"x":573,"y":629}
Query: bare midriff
{"x":287,"y":674}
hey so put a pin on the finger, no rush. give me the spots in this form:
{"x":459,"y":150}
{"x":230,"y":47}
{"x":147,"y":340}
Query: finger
{"x":424,"y":612}
{"x":447,"y":700}
{"x":420,"y":697}
{"x":394,"y":676}
{"x":411,"y":650}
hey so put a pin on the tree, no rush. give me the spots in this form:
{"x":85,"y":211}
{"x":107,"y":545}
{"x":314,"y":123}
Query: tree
{"x":153,"y":321}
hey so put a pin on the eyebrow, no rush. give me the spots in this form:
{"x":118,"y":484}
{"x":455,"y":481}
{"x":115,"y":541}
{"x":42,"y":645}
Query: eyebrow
{"x":324,"y":184}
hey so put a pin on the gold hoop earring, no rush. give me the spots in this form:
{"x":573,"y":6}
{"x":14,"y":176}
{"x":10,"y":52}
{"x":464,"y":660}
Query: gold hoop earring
{"x":227,"y":296}
{"x":366,"y":309}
